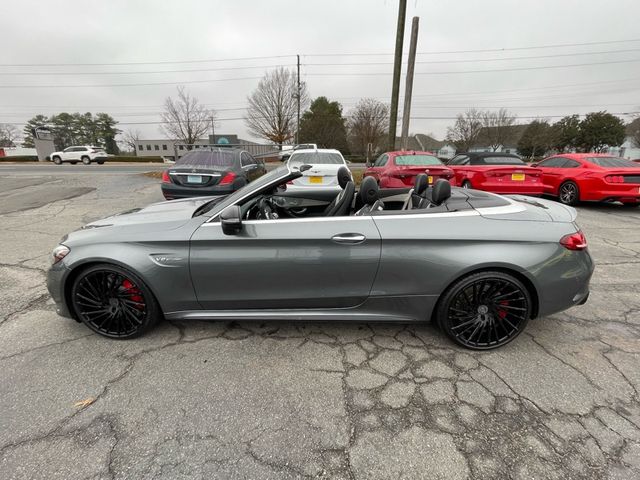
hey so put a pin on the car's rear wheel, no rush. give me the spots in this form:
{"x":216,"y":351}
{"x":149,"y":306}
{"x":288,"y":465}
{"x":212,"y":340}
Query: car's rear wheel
{"x":466,"y":184}
{"x":484,"y":310}
{"x":86,"y":160}
{"x":114,"y":302}
{"x":569,"y":193}
{"x":57,"y":160}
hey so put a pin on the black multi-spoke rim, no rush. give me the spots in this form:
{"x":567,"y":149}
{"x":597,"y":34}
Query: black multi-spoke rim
{"x":110,"y":303}
{"x":488,"y":313}
{"x":568,"y":192}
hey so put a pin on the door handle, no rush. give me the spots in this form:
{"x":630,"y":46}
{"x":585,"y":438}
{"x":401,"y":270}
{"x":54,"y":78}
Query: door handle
{"x":349,"y":238}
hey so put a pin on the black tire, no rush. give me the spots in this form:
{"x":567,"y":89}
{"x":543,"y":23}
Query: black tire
{"x":114,"y":302}
{"x":631,"y":204}
{"x":86,"y":160}
{"x":73,"y":162}
{"x":466,"y":184}
{"x":569,"y":193}
{"x":484,"y":310}
{"x":101,"y":163}
{"x":57,"y":160}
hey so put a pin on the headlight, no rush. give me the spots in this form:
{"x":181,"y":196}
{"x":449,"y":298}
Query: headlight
{"x":59,"y":253}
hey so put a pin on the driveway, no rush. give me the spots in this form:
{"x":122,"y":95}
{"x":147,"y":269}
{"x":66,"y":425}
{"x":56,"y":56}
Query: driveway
{"x":306,"y":400}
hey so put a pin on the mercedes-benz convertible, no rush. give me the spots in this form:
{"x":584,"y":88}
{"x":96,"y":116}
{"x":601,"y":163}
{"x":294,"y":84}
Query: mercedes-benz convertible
{"x":479,"y":265}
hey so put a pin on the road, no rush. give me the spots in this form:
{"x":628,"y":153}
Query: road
{"x":286,"y":400}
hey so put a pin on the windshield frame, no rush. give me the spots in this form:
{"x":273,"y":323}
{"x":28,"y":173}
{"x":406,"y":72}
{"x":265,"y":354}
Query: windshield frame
{"x":269,"y":180}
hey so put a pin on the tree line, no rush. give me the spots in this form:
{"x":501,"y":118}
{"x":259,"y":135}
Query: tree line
{"x":76,"y":129}
{"x":596,"y":132}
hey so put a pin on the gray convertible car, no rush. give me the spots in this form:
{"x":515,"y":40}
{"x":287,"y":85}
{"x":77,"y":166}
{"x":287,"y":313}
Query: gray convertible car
{"x":478,"y":264}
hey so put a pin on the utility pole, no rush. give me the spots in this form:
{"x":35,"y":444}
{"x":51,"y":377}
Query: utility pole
{"x":298,"y":99}
{"x":406,"y":111}
{"x":213,"y":129}
{"x":397,"y":67}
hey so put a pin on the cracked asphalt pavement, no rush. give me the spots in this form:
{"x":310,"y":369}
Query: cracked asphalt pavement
{"x":306,"y":400}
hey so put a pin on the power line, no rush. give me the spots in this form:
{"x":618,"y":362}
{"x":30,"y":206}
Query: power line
{"x":165,"y":62}
{"x":433,"y":62}
{"x":145,"y":72}
{"x":484,"y":50}
{"x":149,"y":84}
{"x":515,"y":69}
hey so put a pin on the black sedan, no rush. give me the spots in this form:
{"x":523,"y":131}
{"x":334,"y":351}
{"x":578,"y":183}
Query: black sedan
{"x":217,"y":171}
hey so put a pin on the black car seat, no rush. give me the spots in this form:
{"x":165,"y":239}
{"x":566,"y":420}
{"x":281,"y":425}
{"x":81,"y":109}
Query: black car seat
{"x":342,"y":201}
{"x":418,"y":198}
{"x":441,"y":192}
{"x":370,"y":196}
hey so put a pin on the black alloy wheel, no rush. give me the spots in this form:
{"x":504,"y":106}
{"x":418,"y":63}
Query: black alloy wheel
{"x":113,"y":302}
{"x":569,"y":193}
{"x":485,"y":310}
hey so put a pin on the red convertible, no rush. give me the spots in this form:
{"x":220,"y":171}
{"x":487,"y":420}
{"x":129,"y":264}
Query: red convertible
{"x":399,"y":169}
{"x":496,"y":172}
{"x":575,"y":177}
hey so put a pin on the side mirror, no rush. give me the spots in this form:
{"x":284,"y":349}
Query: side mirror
{"x":231,"y":220}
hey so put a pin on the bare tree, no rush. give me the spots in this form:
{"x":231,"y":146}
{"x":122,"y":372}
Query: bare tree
{"x":185,"y":118}
{"x":130,"y":138}
{"x":497,"y":127}
{"x":633,"y":130}
{"x":9,"y":135}
{"x":367,"y":124}
{"x":466,"y":130}
{"x":273,"y":106}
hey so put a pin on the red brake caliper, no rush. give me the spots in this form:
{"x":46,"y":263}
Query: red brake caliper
{"x":503,"y":313}
{"x":134,"y":293}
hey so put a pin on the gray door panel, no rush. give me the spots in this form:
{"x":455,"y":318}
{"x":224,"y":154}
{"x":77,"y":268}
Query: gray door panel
{"x":287,"y":263}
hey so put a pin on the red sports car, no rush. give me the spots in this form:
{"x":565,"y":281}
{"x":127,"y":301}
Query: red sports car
{"x":399,"y":169}
{"x":575,"y":177}
{"x":496,"y":172}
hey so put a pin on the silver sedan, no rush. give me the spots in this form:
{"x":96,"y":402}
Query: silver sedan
{"x":480,"y":265}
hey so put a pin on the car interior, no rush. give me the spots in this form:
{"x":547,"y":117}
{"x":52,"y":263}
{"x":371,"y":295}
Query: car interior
{"x":369,"y":199}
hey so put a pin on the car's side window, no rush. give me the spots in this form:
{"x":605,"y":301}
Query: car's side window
{"x":246,"y":159}
{"x":381,"y":161}
{"x":570,"y":163}
{"x":460,"y":160}
{"x":554,"y":162}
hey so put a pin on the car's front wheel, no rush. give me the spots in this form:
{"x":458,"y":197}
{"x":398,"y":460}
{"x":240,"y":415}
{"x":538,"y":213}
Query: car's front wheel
{"x":484,"y":310}
{"x":86,"y":160}
{"x":466,"y":184}
{"x":569,"y":193}
{"x":114,"y":302}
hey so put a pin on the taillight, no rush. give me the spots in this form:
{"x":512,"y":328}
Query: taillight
{"x":228,"y":179}
{"x":574,"y":241}
{"x":165,"y":177}
{"x":615,"y":178}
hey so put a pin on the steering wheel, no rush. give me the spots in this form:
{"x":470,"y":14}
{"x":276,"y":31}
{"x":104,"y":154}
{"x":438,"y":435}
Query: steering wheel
{"x":266,"y":210}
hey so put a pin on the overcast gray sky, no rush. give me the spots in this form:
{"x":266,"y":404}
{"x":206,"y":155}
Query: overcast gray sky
{"x":322,"y":32}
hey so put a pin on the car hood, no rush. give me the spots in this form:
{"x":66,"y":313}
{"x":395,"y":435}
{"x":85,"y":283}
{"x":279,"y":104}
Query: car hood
{"x":163,"y":214}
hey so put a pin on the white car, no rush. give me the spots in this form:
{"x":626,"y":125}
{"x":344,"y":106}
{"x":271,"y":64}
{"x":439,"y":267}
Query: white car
{"x":324,"y":167}
{"x":287,"y":150}
{"x":85,"y":154}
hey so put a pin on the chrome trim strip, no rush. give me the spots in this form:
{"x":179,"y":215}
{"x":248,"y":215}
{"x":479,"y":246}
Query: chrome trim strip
{"x":198,"y":174}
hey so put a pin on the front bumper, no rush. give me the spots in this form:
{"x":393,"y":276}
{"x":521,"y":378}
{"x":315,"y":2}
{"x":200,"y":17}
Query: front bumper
{"x":56,"y":276}
{"x":171,"y":191}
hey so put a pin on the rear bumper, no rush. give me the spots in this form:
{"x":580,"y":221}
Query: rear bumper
{"x":623,"y":193}
{"x":566,"y":284}
{"x":171,"y":191}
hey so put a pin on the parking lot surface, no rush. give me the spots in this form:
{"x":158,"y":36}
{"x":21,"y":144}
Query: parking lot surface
{"x":306,"y":400}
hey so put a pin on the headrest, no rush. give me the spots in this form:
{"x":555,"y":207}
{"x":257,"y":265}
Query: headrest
{"x":368,"y":190}
{"x":344,"y":176}
{"x":441,"y":191}
{"x":421,"y":184}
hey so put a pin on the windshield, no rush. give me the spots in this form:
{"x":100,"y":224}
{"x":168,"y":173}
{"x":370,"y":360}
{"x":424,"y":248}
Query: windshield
{"x":207,"y":159}
{"x":217,"y":206}
{"x":612,"y":162}
{"x":316,"y":158}
{"x":417,"y":160}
